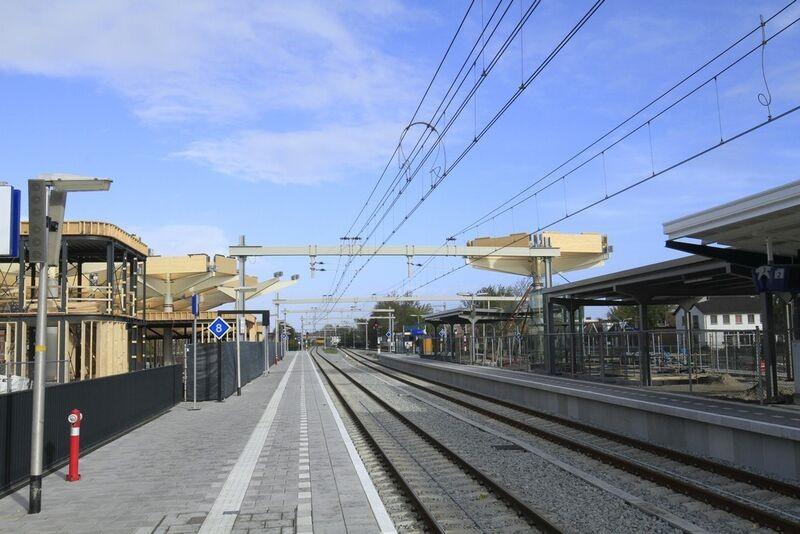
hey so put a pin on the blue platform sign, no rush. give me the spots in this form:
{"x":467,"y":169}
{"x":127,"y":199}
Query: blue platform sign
{"x":388,"y":335}
{"x":285,"y":336}
{"x":219,"y":327}
{"x":195,"y":305}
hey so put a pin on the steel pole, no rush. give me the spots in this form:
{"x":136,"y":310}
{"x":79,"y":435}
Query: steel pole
{"x":277,"y":325}
{"x":37,"y":413}
{"x":240,"y":320}
{"x":194,"y":364}
{"x":266,"y":344}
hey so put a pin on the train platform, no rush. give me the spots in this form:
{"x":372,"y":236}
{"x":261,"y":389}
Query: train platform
{"x":276,"y":459}
{"x":765,"y":439}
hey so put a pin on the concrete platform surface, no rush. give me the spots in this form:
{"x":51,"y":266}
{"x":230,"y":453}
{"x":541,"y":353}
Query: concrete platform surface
{"x":785,"y":419}
{"x":765,"y":439}
{"x":272,"y":460}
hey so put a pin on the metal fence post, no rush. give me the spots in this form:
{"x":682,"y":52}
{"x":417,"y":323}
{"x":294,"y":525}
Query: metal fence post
{"x":220,"y":395}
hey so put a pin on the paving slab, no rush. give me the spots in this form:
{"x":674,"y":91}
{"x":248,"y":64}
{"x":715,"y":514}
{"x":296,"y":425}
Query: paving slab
{"x":158,"y":477}
{"x":272,"y":460}
{"x":305,"y":468}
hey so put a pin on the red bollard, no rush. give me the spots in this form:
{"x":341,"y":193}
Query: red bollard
{"x":74,"y":418}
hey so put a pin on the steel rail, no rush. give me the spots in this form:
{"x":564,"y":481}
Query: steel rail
{"x":696,"y":490}
{"x":534,"y":517}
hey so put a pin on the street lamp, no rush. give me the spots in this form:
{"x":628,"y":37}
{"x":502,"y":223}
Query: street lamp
{"x":47,"y":199}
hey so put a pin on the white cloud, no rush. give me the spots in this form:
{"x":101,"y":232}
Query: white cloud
{"x":179,"y":239}
{"x":210,"y":59}
{"x":251,"y":66}
{"x":299,"y":157}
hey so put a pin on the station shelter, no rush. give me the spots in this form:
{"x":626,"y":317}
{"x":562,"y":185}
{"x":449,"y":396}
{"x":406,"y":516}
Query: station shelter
{"x":729,"y":246}
{"x":484,"y":336}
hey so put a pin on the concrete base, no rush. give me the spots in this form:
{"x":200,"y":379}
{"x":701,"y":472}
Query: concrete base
{"x":765,"y":448}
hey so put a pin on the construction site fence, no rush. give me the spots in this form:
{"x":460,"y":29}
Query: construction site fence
{"x":251,"y":356}
{"x":616,"y":355}
{"x":111,"y":406}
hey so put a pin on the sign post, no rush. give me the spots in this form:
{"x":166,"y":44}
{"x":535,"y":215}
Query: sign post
{"x":195,"y":313}
{"x":218,"y":329}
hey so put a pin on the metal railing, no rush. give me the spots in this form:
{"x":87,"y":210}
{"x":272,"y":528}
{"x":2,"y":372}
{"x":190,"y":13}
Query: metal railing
{"x":615,"y":356}
{"x":79,"y":298}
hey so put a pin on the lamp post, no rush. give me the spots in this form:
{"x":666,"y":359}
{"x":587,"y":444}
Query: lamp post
{"x":473,"y":320}
{"x":277,"y":274}
{"x":47,"y":198}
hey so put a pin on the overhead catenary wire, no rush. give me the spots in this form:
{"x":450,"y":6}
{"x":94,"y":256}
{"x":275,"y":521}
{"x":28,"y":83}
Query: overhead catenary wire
{"x":414,"y":115}
{"x":622,"y":190}
{"x":499,"y":209}
{"x":502,"y":110}
{"x":449,"y":96}
{"x":398,"y":147}
{"x":463,"y":104}
{"x":494,"y":213}
{"x":492,"y":121}
{"x":441,"y":113}
{"x":645,"y":123}
{"x":416,"y":112}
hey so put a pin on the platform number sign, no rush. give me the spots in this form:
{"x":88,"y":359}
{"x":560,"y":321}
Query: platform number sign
{"x":219,"y":327}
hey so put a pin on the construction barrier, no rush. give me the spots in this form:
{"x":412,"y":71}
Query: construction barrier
{"x":111,"y":406}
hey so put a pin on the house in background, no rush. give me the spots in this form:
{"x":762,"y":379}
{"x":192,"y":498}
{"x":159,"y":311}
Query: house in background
{"x":722,"y":313}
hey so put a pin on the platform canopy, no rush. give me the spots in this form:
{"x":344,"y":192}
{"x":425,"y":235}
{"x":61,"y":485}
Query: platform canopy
{"x":171,"y":281}
{"x":745,"y":227}
{"x":576,"y":251}
{"x":666,"y":282}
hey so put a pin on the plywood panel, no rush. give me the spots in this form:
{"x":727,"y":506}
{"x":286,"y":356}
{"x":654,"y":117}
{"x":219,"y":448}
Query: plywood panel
{"x":98,"y":228}
{"x":111,"y":350}
{"x":177,"y":266}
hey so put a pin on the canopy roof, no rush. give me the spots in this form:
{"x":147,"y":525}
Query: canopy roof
{"x":576,"y":251}
{"x":746,"y":224}
{"x":665,"y":282}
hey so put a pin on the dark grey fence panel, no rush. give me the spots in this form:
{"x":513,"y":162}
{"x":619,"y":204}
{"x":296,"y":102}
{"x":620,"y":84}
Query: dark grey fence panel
{"x":252,"y":358}
{"x":110,"y":406}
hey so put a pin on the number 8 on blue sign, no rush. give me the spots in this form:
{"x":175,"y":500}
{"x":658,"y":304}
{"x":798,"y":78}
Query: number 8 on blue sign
{"x":219,"y":327}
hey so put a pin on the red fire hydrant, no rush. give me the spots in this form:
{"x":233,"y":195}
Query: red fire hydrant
{"x":74,"y":418}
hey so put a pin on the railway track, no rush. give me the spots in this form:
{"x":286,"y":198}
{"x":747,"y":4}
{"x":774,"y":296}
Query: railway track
{"x":770,"y":503}
{"x":449,"y":493}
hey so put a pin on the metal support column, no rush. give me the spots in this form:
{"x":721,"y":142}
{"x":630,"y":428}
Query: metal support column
{"x":571,"y":326}
{"x":277,"y":326}
{"x":240,"y":320}
{"x":63,"y":365}
{"x":796,"y":345}
{"x":37,"y":410}
{"x":644,"y":351}
{"x":767,"y":321}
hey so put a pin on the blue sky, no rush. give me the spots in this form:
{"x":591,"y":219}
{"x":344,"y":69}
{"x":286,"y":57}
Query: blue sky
{"x":274,"y":119}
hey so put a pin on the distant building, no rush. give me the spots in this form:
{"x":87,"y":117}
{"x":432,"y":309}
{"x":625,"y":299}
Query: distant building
{"x":722,"y":313}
